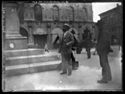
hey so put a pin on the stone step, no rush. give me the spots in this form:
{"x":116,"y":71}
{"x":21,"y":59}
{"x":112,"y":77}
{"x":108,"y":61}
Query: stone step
{"x":51,"y":56}
{"x":23,"y":52}
{"x":31,"y":68}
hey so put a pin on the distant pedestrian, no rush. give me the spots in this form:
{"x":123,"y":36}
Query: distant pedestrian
{"x":46,"y":48}
{"x":95,"y":43}
{"x":87,"y":37}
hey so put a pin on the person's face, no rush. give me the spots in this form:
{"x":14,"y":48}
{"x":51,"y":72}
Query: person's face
{"x":65,"y":28}
{"x":73,"y":32}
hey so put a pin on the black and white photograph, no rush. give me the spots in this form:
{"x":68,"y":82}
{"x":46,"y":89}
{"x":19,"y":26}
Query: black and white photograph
{"x":62,"y":46}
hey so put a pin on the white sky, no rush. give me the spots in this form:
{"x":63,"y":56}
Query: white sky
{"x":102,"y":7}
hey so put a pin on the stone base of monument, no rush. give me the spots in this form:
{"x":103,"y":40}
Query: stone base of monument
{"x":13,"y":42}
{"x":31,"y":45}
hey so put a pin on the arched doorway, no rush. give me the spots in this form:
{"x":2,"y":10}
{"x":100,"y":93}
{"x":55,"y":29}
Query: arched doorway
{"x":40,"y":37}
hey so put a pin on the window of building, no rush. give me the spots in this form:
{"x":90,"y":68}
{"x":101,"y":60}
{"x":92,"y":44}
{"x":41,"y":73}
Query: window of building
{"x":55,"y":13}
{"x":38,"y":12}
{"x":28,"y":14}
{"x":85,"y":14}
{"x":71,"y":13}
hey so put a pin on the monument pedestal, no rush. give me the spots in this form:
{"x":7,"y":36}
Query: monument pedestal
{"x":13,"y":40}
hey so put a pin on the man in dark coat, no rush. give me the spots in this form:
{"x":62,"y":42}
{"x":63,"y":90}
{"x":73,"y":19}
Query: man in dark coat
{"x":87,"y":41}
{"x":66,"y":50}
{"x":103,"y":48}
{"x":74,"y":62}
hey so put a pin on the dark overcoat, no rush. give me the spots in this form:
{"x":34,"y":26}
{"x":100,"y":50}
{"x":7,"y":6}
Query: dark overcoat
{"x":66,"y":45}
{"x":103,"y":44}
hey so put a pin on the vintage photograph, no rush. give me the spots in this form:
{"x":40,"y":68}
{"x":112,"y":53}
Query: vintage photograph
{"x":61,"y":46}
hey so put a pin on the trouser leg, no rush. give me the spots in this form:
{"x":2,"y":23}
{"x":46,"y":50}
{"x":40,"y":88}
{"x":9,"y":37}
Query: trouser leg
{"x":107,"y":68}
{"x":94,"y":52}
{"x":73,"y":60}
{"x":68,"y":62}
{"x":88,"y":52}
{"x":106,"y":71}
{"x":72,"y":57}
{"x":64,"y":64}
{"x":69,"y":67}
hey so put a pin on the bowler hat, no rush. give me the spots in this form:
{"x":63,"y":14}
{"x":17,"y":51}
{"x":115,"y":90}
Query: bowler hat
{"x":66,"y":25}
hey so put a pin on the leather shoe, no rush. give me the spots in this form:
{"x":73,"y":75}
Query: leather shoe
{"x":69,"y":74}
{"x":109,"y":79}
{"x":75,"y":68}
{"x":63,"y":73}
{"x":102,"y":81}
{"x":89,"y":57}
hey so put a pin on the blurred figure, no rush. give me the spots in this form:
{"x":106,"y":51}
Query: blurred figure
{"x":87,"y":41}
{"x":46,"y":48}
{"x":74,"y":45}
{"x":66,"y":50}
{"x":103,"y":48}
{"x":75,"y":63}
{"x":95,"y":42}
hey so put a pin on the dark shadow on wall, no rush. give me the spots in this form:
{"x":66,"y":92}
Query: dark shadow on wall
{"x":23,"y":32}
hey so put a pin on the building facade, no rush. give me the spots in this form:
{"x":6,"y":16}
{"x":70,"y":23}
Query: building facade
{"x":113,"y":23}
{"x":40,"y":23}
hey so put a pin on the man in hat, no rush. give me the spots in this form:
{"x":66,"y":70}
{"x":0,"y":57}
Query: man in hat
{"x":74,"y":62}
{"x":103,"y":49}
{"x":66,"y":50}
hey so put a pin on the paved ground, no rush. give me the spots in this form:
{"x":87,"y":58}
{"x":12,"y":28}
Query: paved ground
{"x":83,"y":79}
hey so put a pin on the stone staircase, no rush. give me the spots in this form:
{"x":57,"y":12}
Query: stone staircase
{"x":30,"y":60}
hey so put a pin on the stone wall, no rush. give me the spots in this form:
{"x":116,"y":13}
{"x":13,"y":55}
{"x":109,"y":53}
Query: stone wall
{"x":54,"y":15}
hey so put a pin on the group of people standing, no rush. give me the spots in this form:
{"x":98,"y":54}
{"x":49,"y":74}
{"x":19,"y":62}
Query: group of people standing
{"x":68,"y":59}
